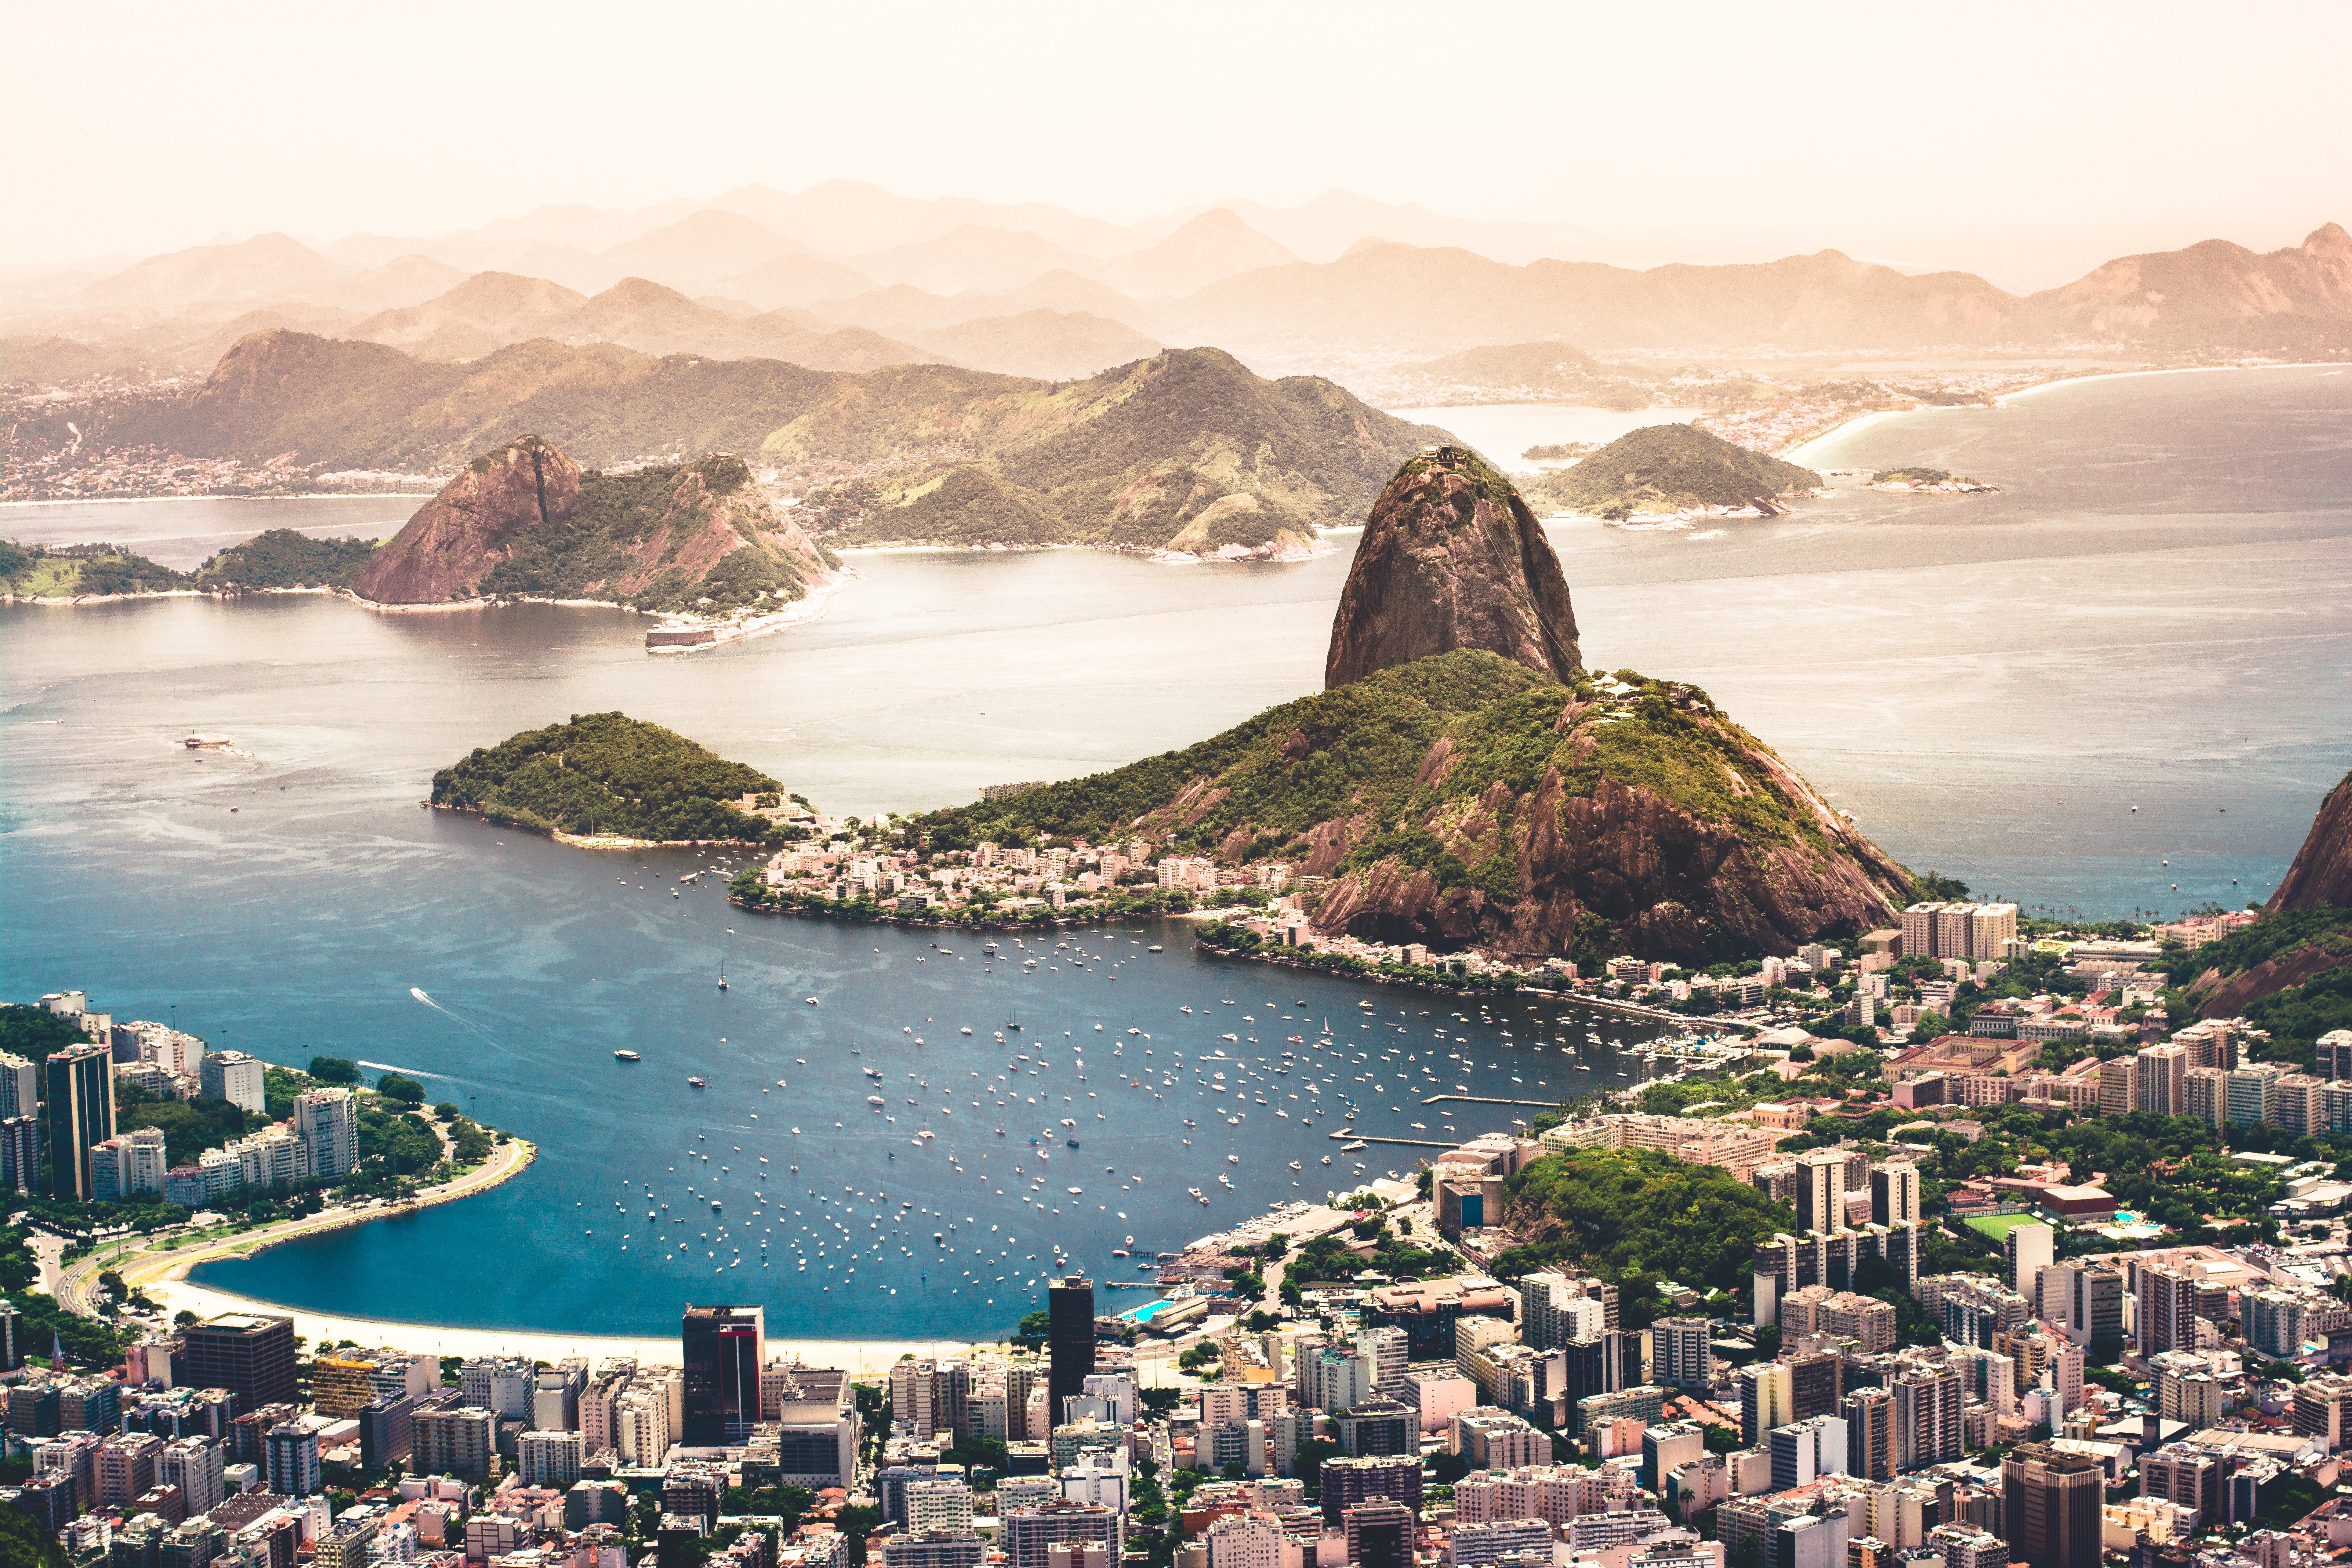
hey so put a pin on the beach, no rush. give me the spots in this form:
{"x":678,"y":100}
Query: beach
{"x":866,"y":1357}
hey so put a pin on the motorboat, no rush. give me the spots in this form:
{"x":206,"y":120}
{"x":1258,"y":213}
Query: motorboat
{"x":626,"y":1057}
{"x":875,"y":1101}
{"x":696,"y":1083}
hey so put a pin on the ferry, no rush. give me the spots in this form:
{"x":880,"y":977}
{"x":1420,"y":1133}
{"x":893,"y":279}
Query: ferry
{"x":696,"y":1083}
{"x":626,"y":1057}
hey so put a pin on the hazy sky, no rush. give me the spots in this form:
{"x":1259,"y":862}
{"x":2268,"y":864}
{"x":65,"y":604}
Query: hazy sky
{"x":2033,"y":138}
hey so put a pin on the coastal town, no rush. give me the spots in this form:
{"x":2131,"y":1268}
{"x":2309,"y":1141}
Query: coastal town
{"x":1991,"y":1264}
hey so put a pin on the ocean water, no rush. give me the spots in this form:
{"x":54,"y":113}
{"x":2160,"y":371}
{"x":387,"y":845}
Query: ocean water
{"x":2155,"y":612}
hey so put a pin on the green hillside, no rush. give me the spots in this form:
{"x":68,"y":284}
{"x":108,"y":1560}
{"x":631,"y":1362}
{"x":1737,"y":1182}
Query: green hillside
{"x":65,"y":570}
{"x":1334,"y":753}
{"x":1664,"y":468}
{"x":281,"y":558}
{"x":1356,"y":751}
{"x":606,"y":773}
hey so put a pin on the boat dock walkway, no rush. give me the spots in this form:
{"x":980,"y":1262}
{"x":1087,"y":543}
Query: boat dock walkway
{"x":1405,"y":1143}
{"x":1483,"y":1100}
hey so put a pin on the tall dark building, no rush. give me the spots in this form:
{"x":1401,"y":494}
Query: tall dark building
{"x":78,"y":1105}
{"x":1069,"y":1339}
{"x":249,"y":1354}
{"x":387,"y":1430}
{"x":2049,"y":1506}
{"x":1812,"y":1386}
{"x":1350,"y":1481}
{"x":724,"y":1348}
{"x":1870,"y":1448}
{"x":1380,"y":1534}
{"x":12,"y":1338}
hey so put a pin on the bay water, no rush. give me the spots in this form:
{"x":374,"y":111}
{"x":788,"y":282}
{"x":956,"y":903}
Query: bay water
{"x":2156,"y":611}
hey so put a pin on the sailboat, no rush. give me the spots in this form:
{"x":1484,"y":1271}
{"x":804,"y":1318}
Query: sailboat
{"x":723,"y":974}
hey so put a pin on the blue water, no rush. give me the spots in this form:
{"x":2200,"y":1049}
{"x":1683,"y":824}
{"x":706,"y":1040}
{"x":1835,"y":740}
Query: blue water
{"x":2158,"y":611}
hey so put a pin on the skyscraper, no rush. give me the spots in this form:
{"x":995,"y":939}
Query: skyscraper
{"x":1680,"y":1353}
{"x":2157,"y":1086}
{"x":327,"y":1119}
{"x":1894,"y":1192}
{"x":80,"y":1113}
{"x":2049,"y":1506}
{"x":1870,"y":1446}
{"x":723,"y":1348}
{"x":1069,"y":1337}
{"x":2030,"y":1249}
{"x":1819,"y":1195}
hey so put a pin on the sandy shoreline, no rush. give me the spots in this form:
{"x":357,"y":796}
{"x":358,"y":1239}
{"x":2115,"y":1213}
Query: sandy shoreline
{"x":862,"y":1357}
{"x":1801,"y":452}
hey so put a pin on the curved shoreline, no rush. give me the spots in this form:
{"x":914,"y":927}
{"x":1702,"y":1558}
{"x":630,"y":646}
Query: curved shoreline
{"x":167,"y":1268}
{"x":1797,"y":453}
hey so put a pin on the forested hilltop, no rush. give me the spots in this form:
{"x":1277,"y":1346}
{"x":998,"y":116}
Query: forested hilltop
{"x":607,"y":774}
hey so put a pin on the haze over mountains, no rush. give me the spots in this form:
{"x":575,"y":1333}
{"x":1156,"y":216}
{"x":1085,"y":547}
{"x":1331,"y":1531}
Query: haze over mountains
{"x":847,"y":277}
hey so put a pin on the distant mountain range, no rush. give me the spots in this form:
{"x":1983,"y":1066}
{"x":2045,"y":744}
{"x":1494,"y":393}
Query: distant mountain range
{"x":1184,"y":450}
{"x":1338,"y":280}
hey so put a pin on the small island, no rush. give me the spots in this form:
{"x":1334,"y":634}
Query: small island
{"x":605,"y":781}
{"x":1556,"y":451}
{"x":1673,"y":472}
{"x":1929,"y":481}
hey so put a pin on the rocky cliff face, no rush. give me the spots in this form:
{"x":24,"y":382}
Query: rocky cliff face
{"x":1452,"y":559}
{"x":525,"y":522}
{"x":459,"y":536}
{"x":2322,"y":872}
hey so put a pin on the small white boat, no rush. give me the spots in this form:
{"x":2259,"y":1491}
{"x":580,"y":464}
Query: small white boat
{"x":811,"y":1002}
{"x":1327,"y":1159}
{"x":696,"y":1083}
{"x":1294,"y":1165}
{"x":875,"y":1101}
{"x":1356,"y":1147}
{"x":1233,"y":1159}
{"x":626,"y":1057}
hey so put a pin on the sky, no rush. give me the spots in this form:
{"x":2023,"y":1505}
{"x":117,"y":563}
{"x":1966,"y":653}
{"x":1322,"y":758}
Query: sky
{"x":2030,"y":140}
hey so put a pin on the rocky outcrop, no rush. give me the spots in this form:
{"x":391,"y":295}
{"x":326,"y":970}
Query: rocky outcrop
{"x":1452,"y":559}
{"x":524,"y":521}
{"x":454,"y":539}
{"x":2322,"y":872}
